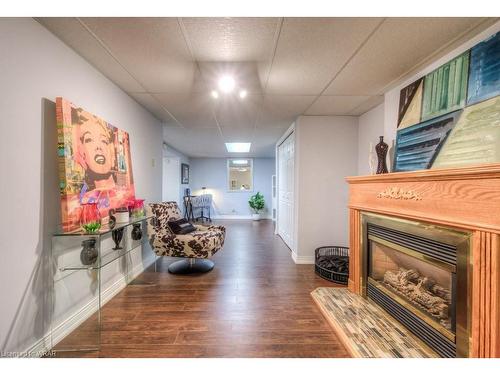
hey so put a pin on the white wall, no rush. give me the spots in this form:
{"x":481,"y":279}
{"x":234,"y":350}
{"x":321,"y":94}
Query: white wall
{"x":371,"y":126}
{"x":35,"y":68}
{"x":212,"y":173}
{"x":171,"y":152}
{"x":326,"y":151}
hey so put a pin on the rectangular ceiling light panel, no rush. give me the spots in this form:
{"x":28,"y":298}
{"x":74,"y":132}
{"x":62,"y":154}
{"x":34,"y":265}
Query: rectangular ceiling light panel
{"x":238,"y":147}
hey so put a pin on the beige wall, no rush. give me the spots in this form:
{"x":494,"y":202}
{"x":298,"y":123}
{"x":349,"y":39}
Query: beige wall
{"x":326,"y":152}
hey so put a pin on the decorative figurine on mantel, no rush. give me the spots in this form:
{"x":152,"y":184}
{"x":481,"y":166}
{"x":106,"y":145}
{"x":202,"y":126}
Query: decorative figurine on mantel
{"x":381,"y":150}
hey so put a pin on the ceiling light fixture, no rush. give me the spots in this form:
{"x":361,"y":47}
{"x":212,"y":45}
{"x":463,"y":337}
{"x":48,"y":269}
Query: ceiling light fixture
{"x":226,"y":84}
{"x":238,"y":147}
{"x":243,"y":94}
{"x":214,"y":94}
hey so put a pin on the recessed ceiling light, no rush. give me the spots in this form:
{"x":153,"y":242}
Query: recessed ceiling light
{"x":214,"y":94}
{"x":238,"y":147}
{"x":243,"y":94}
{"x":226,"y":83}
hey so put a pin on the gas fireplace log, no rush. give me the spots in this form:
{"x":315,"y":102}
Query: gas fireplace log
{"x":434,"y":304}
{"x":419,"y":290}
{"x":441,"y":292}
{"x":435,"y":289}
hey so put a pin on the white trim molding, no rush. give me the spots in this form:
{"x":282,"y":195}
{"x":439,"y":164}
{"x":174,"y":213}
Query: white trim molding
{"x":302,"y":259}
{"x":239,"y":217}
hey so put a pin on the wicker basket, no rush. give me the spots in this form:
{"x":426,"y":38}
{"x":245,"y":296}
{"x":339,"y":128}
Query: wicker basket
{"x":333,"y":252}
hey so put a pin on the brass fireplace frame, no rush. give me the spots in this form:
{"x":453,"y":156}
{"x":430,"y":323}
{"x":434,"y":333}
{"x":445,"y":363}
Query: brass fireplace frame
{"x":461,"y":239}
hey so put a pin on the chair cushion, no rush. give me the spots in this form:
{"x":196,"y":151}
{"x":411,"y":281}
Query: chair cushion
{"x":202,"y":243}
{"x":181,"y":226}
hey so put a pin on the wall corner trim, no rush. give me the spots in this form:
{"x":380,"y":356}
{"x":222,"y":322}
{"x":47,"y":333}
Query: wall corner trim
{"x":302,"y":259}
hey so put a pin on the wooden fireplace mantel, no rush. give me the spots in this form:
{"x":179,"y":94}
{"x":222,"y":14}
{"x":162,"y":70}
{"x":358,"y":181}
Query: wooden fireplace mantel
{"x":464,"y":198}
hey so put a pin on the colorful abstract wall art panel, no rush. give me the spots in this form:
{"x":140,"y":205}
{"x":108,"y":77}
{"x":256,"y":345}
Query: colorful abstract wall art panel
{"x":94,"y":163}
{"x":417,"y":146}
{"x":445,"y":88}
{"x":475,"y":138}
{"x":410,"y":104}
{"x":459,"y":121}
{"x":484,"y":73}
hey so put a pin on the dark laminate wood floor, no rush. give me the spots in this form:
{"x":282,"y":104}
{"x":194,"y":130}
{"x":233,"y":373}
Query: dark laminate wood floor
{"x":255,"y":303}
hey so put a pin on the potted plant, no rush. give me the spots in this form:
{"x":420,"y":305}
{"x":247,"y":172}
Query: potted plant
{"x":256,"y":203}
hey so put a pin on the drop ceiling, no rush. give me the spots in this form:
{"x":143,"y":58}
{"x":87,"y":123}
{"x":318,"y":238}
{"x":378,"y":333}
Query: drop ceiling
{"x":289,"y":66}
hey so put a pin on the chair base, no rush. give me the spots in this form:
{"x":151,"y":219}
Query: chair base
{"x":188,"y":266}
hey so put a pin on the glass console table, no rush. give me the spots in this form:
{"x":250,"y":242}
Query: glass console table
{"x":89,"y":269}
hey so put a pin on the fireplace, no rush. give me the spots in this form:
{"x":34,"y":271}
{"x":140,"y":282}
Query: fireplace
{"x":419,"y":274}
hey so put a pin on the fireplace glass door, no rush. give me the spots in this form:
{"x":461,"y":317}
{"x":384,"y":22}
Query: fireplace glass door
{"x":418,"y":273}
{"x":418,"y":283}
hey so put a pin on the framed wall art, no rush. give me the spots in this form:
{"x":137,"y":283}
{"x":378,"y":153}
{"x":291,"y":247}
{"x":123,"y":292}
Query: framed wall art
{"x":94,"y":163}
{"x":184,"y":174}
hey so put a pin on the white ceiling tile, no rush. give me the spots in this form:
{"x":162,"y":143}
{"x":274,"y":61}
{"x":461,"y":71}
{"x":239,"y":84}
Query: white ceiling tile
{"x":231,"y":39}
{"x":74,"y":34}
{"x":397,"y":46}
{"x":335,"y":105}
{"x":311,"y":51}
{"x":151,"y":58}
{"x":281,"y":110}
{"x":235,"y":112}
{"x":201,"y":142}
{"x":191,"y":110}
{"x":232,"y":134}
{"x":153,"y":106}
{"x":153,"y":50}
{"x":368,"y":104}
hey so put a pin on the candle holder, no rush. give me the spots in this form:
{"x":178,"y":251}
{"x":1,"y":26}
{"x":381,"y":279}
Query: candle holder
{"x":117,"y":236}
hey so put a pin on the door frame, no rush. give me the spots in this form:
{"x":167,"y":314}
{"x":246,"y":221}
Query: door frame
{"x":178,"y":162}
{"x":283,"y":138}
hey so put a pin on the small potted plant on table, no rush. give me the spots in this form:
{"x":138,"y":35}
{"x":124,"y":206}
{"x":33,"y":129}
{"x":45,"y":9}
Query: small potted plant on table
{"x":256,"y":203}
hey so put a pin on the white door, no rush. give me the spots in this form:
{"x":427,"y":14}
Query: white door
{"x":286,"y":159}
{"x":274,"y":192}
{"x":171,"y":180}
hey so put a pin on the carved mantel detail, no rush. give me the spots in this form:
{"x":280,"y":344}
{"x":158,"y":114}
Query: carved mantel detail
{"x":399,"y":193}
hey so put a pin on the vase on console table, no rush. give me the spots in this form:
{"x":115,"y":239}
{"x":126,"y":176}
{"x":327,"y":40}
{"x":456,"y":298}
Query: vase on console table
{"x":136,"y":233}
{"x":381,"y":150}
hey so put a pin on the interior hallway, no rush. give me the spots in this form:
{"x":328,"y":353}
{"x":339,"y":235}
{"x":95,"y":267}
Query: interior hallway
{"x":255,"y":303}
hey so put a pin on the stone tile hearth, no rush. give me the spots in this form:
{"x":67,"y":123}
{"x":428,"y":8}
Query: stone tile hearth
{"x":365,"y":329}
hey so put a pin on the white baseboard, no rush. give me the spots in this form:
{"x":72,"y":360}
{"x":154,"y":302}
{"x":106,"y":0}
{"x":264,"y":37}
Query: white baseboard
{"x":237,"y":217}
{"x":302,"y":259}
{"x":43,"y":345}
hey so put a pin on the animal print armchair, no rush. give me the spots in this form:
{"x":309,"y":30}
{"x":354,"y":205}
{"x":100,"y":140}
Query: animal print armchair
{"x":200,"y":244}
